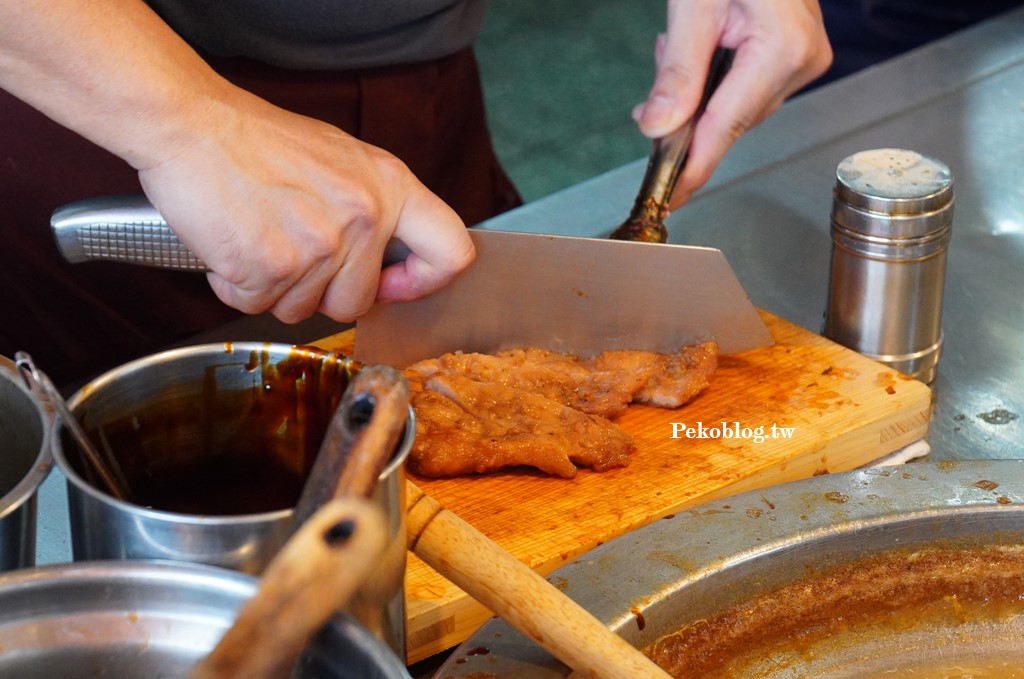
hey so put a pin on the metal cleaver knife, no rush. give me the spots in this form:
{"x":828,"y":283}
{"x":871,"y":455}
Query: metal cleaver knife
{"x":581,"y":295}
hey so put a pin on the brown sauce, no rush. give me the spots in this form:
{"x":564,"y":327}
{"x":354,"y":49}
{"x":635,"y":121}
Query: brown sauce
{"x":223,"y":485}
{"x":204,"y":449}
{"x":873,"y":598}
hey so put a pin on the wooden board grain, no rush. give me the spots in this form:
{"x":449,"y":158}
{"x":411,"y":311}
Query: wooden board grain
{"x":841,"y":411}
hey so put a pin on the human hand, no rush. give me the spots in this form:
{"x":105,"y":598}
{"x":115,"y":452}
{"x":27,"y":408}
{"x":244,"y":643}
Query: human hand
{"x":780,"y":46}
{"x":292,"y":215}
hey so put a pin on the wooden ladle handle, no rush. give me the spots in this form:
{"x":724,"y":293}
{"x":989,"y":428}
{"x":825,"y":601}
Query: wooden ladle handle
{"x":308,"y":581}
{"x":518,"y":595}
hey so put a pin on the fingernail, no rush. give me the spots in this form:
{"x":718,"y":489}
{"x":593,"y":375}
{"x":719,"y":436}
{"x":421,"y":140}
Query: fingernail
{"x":657,"y":111}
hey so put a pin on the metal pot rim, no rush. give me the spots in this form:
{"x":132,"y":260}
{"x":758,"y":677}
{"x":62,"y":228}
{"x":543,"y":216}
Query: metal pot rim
{"x":44,"y":461}
{"x":218,"y":591}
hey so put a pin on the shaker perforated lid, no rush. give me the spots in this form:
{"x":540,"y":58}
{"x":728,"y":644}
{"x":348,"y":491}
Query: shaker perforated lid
{"x":892,"y":192}
{"x":894,"y":181}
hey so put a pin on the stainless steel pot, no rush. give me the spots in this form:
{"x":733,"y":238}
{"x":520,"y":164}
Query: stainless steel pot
{"x":25,"y":460}
{"x":125,"y":620}
{"x":697,"y":564}
{"x":206,"y":409}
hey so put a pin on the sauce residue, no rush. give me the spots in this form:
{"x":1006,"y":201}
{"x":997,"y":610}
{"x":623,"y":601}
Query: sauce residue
{"x":882,"y":596}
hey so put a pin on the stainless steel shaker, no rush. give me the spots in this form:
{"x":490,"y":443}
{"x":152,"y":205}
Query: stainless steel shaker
{"x":892,"y":216}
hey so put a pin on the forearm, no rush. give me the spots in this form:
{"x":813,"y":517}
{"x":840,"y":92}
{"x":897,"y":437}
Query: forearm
{"x":110,"y":70}
{"x":291,"y":215}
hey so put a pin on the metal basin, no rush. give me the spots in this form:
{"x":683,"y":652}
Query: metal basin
{"x":700,"y":565}
{"x":25,"y":460}
{"x":125,"y":620}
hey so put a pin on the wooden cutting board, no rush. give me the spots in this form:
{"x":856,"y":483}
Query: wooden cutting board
{"x":831,"y":409}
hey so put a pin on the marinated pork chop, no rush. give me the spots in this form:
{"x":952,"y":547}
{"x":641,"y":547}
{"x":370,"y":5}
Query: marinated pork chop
{"x":464,"y":426}
{"x":480,"y":412}
{"x":603,"y":385}
{"x":561,"y":377}
{"x":680,"y":377}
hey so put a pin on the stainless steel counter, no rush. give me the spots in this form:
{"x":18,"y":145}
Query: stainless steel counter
{"x":960,"y":100}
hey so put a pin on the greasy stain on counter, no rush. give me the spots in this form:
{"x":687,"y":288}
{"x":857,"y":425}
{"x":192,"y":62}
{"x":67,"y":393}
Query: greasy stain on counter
{"x":559,"y":583}
{"x":998,"y":416}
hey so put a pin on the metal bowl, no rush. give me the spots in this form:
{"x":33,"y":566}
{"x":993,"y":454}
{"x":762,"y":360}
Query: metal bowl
{"x":700,"y":563}
{"x":25,"y":460}
{"x":124,"y":620}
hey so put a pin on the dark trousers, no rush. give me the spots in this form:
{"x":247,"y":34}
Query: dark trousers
{"x":77,"y":320}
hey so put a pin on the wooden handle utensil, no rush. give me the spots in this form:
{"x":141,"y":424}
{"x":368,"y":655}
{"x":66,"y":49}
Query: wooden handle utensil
{"x":360,"y":439}
{"x":309,"y":580}
{"x":646,"y":221}
{"x":518,"y":595}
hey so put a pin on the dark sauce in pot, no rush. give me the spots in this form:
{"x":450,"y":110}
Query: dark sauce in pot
{"x":220,"y":486}
{"x":209,"y":450}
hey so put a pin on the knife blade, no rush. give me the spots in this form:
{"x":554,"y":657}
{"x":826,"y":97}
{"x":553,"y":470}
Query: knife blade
{"x":577,"y":295}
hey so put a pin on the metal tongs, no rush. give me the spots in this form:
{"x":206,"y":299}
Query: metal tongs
{"x":105,"y":466}
{"x":646,"y":222}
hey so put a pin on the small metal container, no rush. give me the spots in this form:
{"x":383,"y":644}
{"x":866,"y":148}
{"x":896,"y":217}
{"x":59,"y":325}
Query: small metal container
{"x":25,"y":461}
{"x":205,"y":435}
{"x":891,"y":224}
{"x":146,"y":619}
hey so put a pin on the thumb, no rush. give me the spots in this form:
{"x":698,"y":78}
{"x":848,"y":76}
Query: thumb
{"x":681,"y":59}
{"x":440,"y":249}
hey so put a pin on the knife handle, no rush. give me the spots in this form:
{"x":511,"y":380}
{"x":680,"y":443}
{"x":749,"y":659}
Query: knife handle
{"x":129,"y":229}
{"x":120,"y":229}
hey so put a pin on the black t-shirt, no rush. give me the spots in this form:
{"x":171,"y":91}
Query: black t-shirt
{"x":326,"y":34}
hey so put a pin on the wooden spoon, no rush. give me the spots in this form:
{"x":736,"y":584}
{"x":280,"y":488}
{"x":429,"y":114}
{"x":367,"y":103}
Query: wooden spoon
{"x":308,"y":581}
{"x":518,"y":595}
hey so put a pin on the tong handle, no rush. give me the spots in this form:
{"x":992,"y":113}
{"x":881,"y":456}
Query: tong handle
{"x":669,"y":153}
